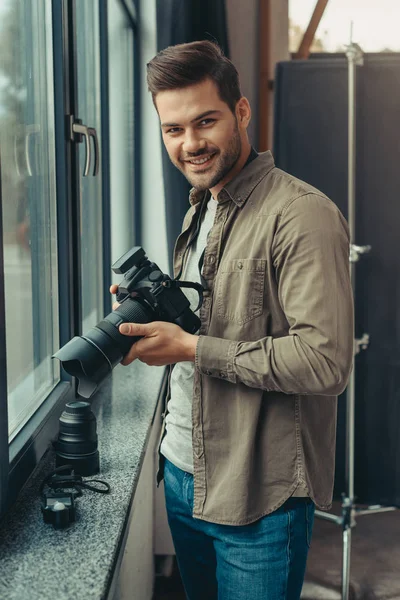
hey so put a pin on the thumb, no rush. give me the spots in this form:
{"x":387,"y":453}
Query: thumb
{"x":134,"y":329}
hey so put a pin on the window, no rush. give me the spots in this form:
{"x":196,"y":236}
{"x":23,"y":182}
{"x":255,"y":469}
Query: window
{"x":121,"y":57}
{"x":55,"y":155}
{"x":27,"y":145}
{"x":375,"y":25}
{"x":89,"y":111}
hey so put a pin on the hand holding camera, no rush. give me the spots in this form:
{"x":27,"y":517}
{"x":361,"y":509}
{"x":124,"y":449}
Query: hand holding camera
{"x":156,"y":313}
{"x":162,"y":343}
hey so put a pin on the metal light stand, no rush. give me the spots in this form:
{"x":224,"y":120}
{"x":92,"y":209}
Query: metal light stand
{"x":349,"y":509}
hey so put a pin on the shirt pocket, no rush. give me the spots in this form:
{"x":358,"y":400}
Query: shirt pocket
{"x":240,"y":289}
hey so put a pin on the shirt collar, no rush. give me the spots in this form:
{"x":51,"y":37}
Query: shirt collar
{"x":241,"y":186}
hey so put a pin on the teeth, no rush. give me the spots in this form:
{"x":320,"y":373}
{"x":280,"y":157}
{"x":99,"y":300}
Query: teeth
{"x":200,"y":161}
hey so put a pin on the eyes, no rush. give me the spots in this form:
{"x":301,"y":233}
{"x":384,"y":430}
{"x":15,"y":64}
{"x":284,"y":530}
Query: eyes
{"x":204,"y":123}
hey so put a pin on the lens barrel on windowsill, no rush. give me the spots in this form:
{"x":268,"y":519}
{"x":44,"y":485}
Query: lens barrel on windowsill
{"x":77,"y":440}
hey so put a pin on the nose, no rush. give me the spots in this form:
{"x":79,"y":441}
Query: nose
{"x":193,"y":142}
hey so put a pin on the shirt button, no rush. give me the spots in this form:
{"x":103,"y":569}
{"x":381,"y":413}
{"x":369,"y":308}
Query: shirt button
{"x":240,"y":265}
{"x":211,"y":259}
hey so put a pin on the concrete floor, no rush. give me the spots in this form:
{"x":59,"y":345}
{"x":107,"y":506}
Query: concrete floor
{"x":375,"y":559}
{"x":375,"y":562}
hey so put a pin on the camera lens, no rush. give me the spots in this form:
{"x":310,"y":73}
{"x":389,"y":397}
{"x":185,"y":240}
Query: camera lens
{"x":92,"y":357}
{"x":77,"y":439}
{"x":145,"y":297}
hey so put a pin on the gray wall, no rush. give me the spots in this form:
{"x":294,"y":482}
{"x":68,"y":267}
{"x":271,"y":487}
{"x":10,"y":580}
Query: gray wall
{"x":243,"y":24}
{"x":279,"y":12}
{"x":243,"y":40}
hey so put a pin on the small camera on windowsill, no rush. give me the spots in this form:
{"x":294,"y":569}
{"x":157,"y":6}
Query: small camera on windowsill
{"x":59,"y":509}
{"x":59,"y":491}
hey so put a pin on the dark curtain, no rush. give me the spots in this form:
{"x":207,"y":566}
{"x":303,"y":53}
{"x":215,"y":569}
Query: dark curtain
{"x":311,"y":143}
{"x":178,"y":22}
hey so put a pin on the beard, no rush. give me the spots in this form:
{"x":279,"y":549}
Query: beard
{"x":223,"y":163}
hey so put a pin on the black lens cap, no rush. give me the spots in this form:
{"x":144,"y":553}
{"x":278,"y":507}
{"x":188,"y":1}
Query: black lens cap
{"x":78,"y":407}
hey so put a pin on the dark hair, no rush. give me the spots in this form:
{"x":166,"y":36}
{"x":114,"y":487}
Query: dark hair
{"x":187,"y":64}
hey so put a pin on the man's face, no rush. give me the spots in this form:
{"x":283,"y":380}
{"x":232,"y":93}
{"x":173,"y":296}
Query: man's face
{"x":201,"y":134}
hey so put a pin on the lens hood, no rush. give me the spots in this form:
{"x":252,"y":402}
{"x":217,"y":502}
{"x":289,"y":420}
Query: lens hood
{"x":83,"y":359}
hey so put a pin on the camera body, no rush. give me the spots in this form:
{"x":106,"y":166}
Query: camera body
{"x":145,"y":295}
{"x":59,"y":509}
{"x":145,"y":283}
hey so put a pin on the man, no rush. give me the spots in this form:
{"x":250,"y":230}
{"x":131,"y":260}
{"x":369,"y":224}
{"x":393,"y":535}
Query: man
{"x":250,"y":431}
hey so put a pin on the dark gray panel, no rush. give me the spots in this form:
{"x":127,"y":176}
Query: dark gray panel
{"x":311,"y":143}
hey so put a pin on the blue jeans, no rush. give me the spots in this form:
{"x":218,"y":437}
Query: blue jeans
{"x":265,"y":560}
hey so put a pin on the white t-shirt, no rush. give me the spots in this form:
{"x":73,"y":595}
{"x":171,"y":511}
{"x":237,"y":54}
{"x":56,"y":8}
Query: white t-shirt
{"x":177,"y":443}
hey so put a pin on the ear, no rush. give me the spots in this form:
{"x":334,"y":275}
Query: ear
{"x":243,"y":112}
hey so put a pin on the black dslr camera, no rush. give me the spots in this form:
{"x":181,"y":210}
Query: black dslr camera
{"x":145,"y":294}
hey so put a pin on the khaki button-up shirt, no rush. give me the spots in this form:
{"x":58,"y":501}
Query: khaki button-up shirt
{"x":275,"y":346}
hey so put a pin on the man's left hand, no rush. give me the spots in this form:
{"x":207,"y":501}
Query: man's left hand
{"x":162,"y":343}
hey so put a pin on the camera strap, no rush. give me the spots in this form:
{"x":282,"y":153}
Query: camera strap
{"x":173,"y":283}
{"x":58,"y":481}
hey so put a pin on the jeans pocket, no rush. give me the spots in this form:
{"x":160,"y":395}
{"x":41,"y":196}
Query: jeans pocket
{"x":172,"y":479}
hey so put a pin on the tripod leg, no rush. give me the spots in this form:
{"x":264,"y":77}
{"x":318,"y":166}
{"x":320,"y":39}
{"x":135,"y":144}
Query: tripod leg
{"x":346,"y":562}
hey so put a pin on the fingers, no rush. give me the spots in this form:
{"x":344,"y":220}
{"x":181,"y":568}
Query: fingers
{"x":114,"y":290}
{"x":143,"y":350}
{"x":130,"y":357}
{"x":159,"y":343}
{"x":134,"y":329}
{"x":135,"y":351}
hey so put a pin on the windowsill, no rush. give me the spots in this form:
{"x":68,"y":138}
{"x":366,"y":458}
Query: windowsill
{"x":38,"y":561}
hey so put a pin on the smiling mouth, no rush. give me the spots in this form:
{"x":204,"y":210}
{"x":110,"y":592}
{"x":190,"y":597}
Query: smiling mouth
{"x":201,"y":160}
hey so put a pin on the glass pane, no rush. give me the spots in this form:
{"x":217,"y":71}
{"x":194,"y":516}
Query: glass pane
{"x":375,"y":25}
{"x":121,"y":87}
{"x":29,"y":205}
{"x":89,"y":110}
